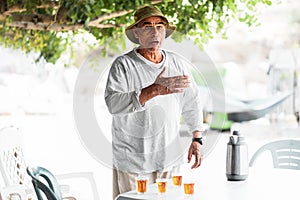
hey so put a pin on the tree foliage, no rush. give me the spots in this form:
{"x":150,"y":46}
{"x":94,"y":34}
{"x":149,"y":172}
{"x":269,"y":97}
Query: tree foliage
{"x":39,"y":25}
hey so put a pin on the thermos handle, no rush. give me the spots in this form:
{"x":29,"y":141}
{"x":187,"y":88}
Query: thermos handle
{"x":231,"y":140}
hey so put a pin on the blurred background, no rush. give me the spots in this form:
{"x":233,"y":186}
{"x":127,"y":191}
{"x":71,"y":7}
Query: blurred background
{"x":253,"y":63}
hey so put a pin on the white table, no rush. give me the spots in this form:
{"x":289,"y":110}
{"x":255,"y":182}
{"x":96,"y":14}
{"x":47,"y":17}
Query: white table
{"x":275,"y":184}
{"x":263,"y":182}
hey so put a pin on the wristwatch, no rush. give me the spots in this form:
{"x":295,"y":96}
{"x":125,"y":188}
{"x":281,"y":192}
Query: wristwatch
{"x":198,"y":140}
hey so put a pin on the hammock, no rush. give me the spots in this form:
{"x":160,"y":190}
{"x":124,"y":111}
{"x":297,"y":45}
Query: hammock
{"x":255,"y":109}
{"x":244,"y":110}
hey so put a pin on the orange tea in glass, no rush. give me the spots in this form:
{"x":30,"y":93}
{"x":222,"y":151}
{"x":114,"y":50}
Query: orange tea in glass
{"x":141,"y":183}
{"x":177,"y":179}
{"x":161,"y":185}
{"x":189,"y":188}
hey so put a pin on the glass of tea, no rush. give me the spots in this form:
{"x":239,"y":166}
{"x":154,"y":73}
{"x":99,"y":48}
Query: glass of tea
{"x":177,"y":179}
{"x":141,"y":183}
{"x":189,"y":187}
{"x":161,"y":185}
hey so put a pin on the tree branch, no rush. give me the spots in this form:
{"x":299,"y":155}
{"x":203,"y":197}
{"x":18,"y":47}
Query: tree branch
{"x":17,"y":8}
{"x":50,"y":4}
{"x":14,"y":8}
{"x":95,"y":22}
{"x":46,"y":26}
{"x":57,"y":27}
{"x":45,"y":22}
{"x":109,"y":25}
{"x":34,"y":18}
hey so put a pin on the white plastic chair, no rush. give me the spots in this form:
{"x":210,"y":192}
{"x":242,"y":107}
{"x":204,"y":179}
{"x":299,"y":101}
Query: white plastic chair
{"x":12,"y":165}
{"x":17,"y":182}
{"x":285,"y":153}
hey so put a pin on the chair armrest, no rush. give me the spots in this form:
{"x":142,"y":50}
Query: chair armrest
{"x":69,"y":198}
{"x":85,"y":175}
{"x":15,"y":190}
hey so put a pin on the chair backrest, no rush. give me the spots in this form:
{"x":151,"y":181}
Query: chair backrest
{"x":44,"y":182}
{"x":285,"y":153}
{"x":12,"y":162}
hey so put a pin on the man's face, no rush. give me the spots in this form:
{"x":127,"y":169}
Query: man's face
{"x":151,"y":32}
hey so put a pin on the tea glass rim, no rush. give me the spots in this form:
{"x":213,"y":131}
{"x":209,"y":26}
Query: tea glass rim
{"x":139,"y":177}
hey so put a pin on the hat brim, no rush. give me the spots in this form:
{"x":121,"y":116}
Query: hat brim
{"x":129,"y":30}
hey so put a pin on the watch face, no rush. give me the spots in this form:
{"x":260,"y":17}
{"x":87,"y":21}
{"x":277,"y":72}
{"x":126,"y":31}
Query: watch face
{"x":198,"y":140}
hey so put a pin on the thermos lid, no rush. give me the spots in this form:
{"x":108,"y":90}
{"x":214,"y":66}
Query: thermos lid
{"x":236,"y":132}
{"x":237,"y":138}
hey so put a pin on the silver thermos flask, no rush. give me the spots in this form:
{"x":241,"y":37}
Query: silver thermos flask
{"x":237,"y":158}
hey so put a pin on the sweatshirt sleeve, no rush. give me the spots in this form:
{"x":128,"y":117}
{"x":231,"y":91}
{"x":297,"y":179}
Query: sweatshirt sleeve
{"x":118,"y":97}
{"x":192,"y":110}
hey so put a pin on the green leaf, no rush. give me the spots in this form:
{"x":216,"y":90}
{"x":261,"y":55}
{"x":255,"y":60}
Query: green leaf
{"x":194,"y":19}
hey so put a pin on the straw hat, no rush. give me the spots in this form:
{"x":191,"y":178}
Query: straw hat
{"x":143,"y":13}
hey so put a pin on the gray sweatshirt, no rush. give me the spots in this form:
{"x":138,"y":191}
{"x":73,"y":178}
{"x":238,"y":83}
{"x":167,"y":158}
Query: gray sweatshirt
{"x":145,"y":138}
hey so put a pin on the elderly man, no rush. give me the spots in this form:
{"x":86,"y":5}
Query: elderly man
{"x":148,"y":92}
